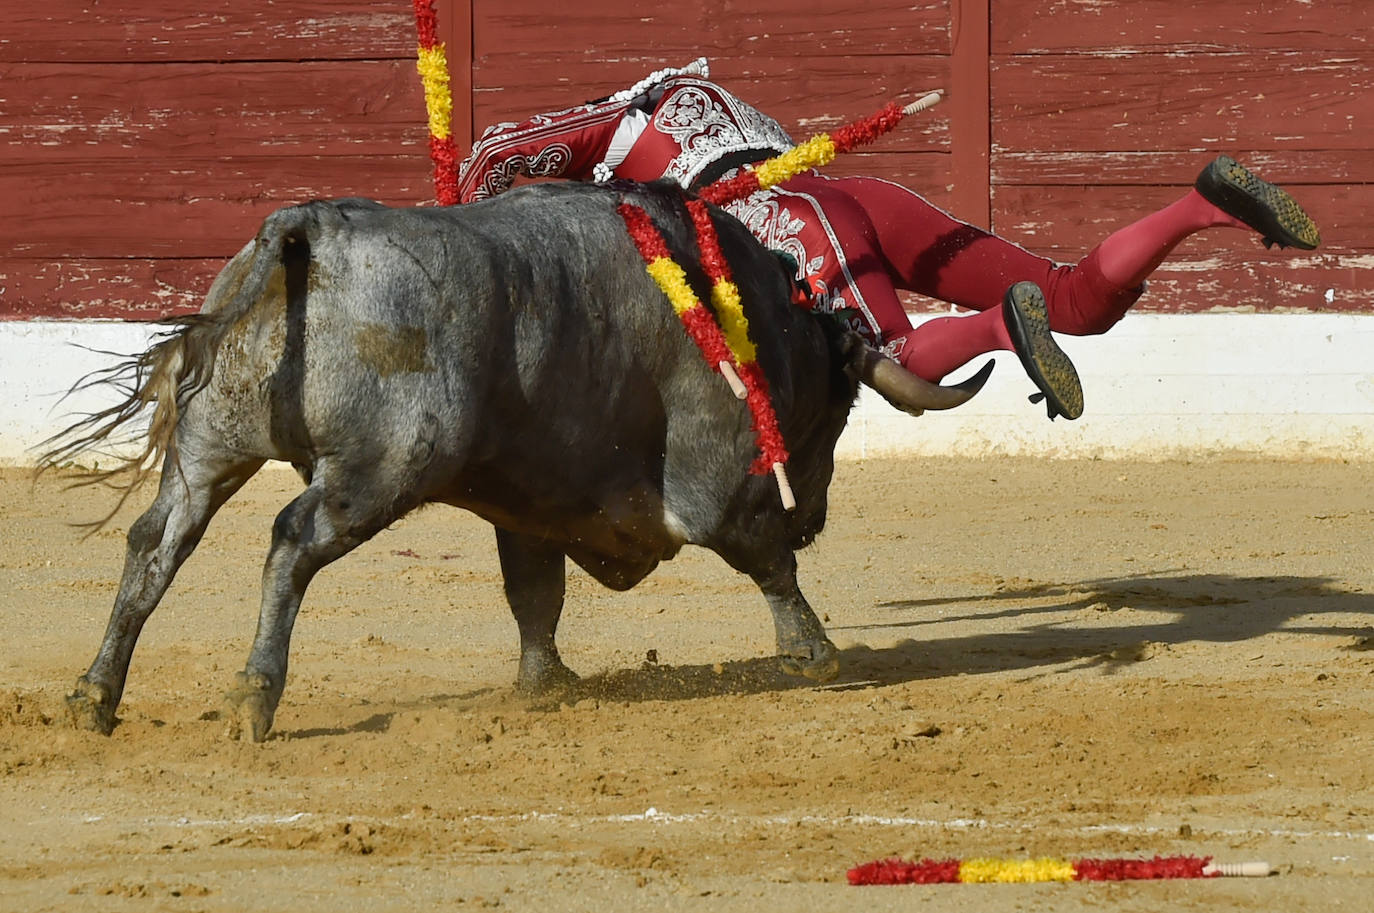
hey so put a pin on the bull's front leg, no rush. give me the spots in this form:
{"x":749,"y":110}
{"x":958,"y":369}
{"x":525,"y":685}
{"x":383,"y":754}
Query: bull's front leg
{"x":803,"y":647}
{"x":535,"y":575}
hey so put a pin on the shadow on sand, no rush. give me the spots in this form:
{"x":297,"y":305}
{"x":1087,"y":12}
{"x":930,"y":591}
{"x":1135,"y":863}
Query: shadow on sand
{"x":1204,"y":608}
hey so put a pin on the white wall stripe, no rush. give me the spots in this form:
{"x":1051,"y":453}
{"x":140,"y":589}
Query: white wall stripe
{"x":1291,"y":386}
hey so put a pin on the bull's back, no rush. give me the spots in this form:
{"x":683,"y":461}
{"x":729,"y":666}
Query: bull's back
{"x":510,"y":356}
{"x":596,"y":390}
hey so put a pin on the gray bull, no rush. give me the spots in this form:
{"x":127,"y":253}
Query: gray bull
{"x":511,"y":357}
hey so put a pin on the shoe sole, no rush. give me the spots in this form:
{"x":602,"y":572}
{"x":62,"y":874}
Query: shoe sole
{"x":1265,"y":207}
{"x":1028,"y":323}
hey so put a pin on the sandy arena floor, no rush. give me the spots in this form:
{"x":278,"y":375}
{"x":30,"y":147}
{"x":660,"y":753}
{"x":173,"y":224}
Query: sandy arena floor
{"x":1040,"y":658}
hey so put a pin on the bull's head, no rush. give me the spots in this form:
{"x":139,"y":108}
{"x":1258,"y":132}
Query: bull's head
{"x":906,"y":391}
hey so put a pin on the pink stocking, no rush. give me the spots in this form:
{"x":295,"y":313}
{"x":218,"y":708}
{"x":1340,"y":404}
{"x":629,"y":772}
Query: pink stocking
{"x":940,"y":346}
{"x":1128,"y":256}
{"x":1085,"y":299}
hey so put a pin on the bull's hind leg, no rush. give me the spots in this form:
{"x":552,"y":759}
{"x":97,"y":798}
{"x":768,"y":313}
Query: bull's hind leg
{"x":535,"y":579}
{"x":337,"y":512}
{"x":158,"y":542}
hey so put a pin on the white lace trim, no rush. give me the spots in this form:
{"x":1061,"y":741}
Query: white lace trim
{"x":763,"y":214}
{"x":698,"y":67}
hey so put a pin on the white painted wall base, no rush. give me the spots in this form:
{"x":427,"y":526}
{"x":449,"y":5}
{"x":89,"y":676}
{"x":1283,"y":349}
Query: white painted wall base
{"x":1292,"y":386}
{"x":1285,"y":385}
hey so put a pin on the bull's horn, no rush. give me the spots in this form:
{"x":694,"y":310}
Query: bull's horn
{"x":911,"y":393}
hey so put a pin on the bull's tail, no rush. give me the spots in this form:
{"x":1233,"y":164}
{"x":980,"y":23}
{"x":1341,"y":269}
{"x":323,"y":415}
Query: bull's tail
{"x":173,"y":370}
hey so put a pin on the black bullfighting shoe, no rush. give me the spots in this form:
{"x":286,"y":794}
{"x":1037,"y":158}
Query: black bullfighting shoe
{"x":1028,"y":324}
{"x":1268,"y":209}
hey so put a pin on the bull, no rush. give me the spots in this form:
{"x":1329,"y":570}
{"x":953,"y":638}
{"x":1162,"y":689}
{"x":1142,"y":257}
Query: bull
{"x":511,"y":357}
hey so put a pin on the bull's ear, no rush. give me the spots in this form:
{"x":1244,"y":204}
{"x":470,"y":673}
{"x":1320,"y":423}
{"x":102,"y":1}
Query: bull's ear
{"x":800,"y":292}
{"x":909,"y":392}
{"x":789,"y":262}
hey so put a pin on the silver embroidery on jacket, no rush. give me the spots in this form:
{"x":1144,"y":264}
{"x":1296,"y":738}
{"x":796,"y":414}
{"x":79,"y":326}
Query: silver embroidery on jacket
{"x":549,"y":162}
{"x":777,"y":229}
{"x":707,"y":129}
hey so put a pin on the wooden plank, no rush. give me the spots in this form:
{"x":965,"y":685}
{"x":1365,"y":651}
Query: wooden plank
{"x":670,"y":34}
{"x":192,"y":207}
{"x":455,"y":31}
{"x":1242,"y":286}
{"x":82,"y":288}
{"x":1236,"y":285}
{"x":1136,"y":26}
{"x":927,"y":173}
{"x":144,"y":288}
{"x":1217,"y":101}
{"x":208,"y":30}
{"x":1089,"y":194}
{"x":1074,"y":218}
{"x":831,"y":91}
{"x":1215,"y":268}
{"x":971,"y":135}
{"x":1177,"y":167}
{"x":74,"y":112}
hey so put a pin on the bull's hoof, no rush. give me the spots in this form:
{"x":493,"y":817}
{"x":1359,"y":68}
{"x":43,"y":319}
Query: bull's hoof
{"x":250,"y":708}
{"x":542,"y":674}
{"x":91,"y":707}
{"x":817,"y":660}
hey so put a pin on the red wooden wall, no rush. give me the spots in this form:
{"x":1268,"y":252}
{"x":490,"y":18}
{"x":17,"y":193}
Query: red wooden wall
{"x":140,"y":146}
{"x":1103,"y":110}
{"x":141,"y":143}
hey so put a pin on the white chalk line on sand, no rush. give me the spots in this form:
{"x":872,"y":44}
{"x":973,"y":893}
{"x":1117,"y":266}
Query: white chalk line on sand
{"x":654,"y":816}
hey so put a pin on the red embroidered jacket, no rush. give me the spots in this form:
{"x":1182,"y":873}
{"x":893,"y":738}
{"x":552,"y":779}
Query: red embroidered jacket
{"x":674,"y":127}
